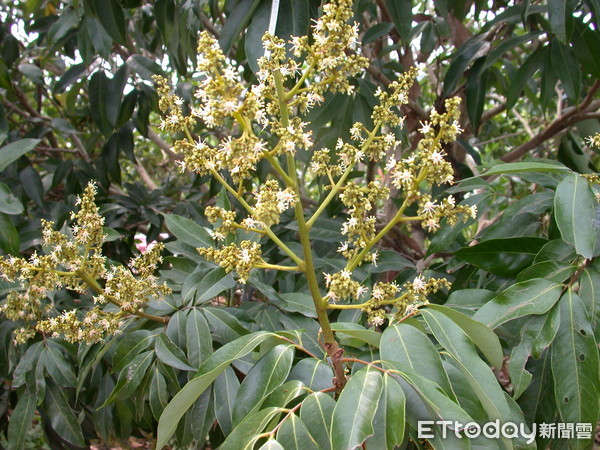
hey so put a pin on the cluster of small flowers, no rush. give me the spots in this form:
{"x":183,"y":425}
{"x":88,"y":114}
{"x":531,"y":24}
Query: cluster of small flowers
{"x":170,"y":105}
{"x":240,"y":259}
{"x":74,"y":263}
{"x":433,"y":212}
{"x":271,"y":202}
{"x":382,"y":292}
{"x":360,"y":227}
{"x":594,"y":140}
{"x":386,"y":112}
{"x":227,"y":223}
{"x":341,"y":286}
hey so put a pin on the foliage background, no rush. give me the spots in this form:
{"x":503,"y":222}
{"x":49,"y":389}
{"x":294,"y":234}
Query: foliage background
{"x":78,"y":104}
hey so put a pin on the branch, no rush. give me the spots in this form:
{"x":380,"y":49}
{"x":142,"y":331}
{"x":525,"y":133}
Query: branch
{"x":163,"y":146}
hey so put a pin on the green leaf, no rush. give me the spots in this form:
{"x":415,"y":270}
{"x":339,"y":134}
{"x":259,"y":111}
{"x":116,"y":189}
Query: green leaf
{"x":9,"y":204}
{"x":33,"y":73}
{"x":112,"y":18}
{"x":144,"y":67}
{"x":294,"y":435}
{"x":557,"y":11}
{"x":295,"y":21}
{"x":20,"y":420}
{"x":224,"y":326}
{"x":198,"y":339}
{"x":411,"y":348}
{"x":130,"y":345}
{"x":566,"y":67}
{"x":589,"y":291}
{"x":575,"y":366}
{"x":158,"y":396}
{"x":461,"y":60}
{"x":317,"y":412}
{"x":286,"y":393}
{"x":299,"y":302}
{"x":390,"y":416}
{"x":550,"y":270}
{"x":357,"y":331}
{"x":478,"y":374}
{"x":201,"y":287}
{"x":574,"y":211}
{"x":9,"y":236}
{"x":13,"y":151}
{"x":237,"y":20}
{"x":586,"y":43}
{"x":377,"y":31}
{"x":247,"y":432}
{"x":62,"y":417}
{"x":482,"y":336}
{"x":401,"y":12}
{"x":170,"y":354}
{"x":58,"y":367}
{"x":113,"y":101}
{"x":131,"y":376}
{"x":188,"y":231}
{"x":267,"y":374}
{"x":98,"y":89}
{"x":505,"y":257}
{"x":535,"y":296}
{"x":271,"y":444}
{"x":69,"y":77}
{"x":210,"y":370}
{"x":312,"y":372}
{"x":524,"y":75}
{"x":536,"y":334}
{"x":530,"y":166}
{"x":256,"y":29}
{"x":225,"y":392}
{"x":352,"y":420}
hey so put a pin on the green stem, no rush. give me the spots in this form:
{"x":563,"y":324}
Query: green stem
{"x":265,"y":265}
{"x":300,"y":82}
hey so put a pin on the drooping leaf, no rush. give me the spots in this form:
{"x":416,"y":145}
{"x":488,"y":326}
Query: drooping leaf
{"x":20,"y":420}
{"x":529,"y":166}
{"x":299,"y":302}
{"x":188,"y":231}
{"x":13,"y":151}
{"x":352,"y":420}
{"x":528,"y":297}
{"x":316,"y":412}
{"x":198,"y":339}
{"x":589,"y":291}
{"x":574,"y":211}
{"x":170,"y":354}
{"x":390,"y":416}
{"x":9,"y":204}
{"x":568,"y":71}
{"x":112,"y":18}
{"x":402,"y":15}
{"x":575,"y":366}
{"x":62,"y":418}
{"x":247,"y":432}
{"x":131,"y":376}
{"x":294,"y":435}
{"x":201,"y":287}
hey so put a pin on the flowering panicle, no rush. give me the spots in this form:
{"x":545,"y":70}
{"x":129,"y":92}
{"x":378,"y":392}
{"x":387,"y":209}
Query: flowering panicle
{"x":341,"y":286}
{"x":240,"y":259}
{"x":76,"y":263}
{"x":271,"y":202}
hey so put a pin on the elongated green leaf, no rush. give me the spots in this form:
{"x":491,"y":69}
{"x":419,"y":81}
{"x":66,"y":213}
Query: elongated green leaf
{"x":62,"y":417}
{"x":478,"y":374}
{"x":462,"y":58}
{"x":131,"y":376}
{"x":401,"y":12}
{"x":237,"y":20}
{"x":524,"y":75}
{"x":586,"y":46}
{"x":353,"y":415}
{"x":482,"y":336}
{"x":549,"y":270}
{"x":312,"y":372}
{"x":202,"y":287}
{"x":13,"y":151}
{"x":317,"y":412}
{"x":98,"y":89}
{"x":198,"y":339}
{"x":557,"y":11}
{"x":271,"y":444}
{"x":299,"y":302}
{"x":537,"y":333}
{"x":170,"y":354}
{"x":530,"y":166}
{"x":505,"y":257}
{"x":256,"y":29}
{"x":589,"y":292}
{"x":210,"y":370}
{"x":390,"y":416}
{"x":568,"y":71}
{"x":188,"y":231}
{"x":129,"y":346}
{"x":158,"y":395}
{"x":268,"y":373}
{"x":58,"y":367}
{"x":224,"y":326}
{"x":574,"y":211}
{"x":294,"y":435}
{"x":112,"y":18}
{"x":412,"y":348}
{"x":20,"y":420}
{"x":144,"y":67}
{"x":575,"y":366}
{"x":528,"y":297}
{"x":357,"y":331}
{"x":248,"y":430}
{"x":225,"y":391}
{"x":9,"y":204}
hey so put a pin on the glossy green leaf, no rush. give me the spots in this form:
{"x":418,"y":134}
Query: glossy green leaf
{"x":505,"y":257}
{"x":535,"y":296}
{"x":478,"y":374}
{"x":589,"y":291}
{"x":357,"y":331}
{"x":200,"y":287}
{"x":294,"y":435}
{"x":586,"y":45}
{"x":557,"y":11}
{"x":271,"y":444}
{"x":62,"y":417}
{"x":550,"y":270}
{"x":13,"y":151}
{"x":529,"y":166}
{"x":225,"y":391}
{"x":170,"y":354}
{"x":198,"y":339}
{"x":224,"y":326}
{"x":188,"y":231}
{"x":575,"y":366}
{"x":317,"y":412}
{"x":129,"y":346}
{"x":556,"y":250}
{"x":33,"y":73}
{"x":524,"y":74}
{"x":352,"y":420}
{"x":536,"y":334}
{"x":574,"y":211}
{"x":58,"y":367}
{"x":256,"y":29}
{"x":266,"y":375}
{"x":246,"y":433}
{"x":9,"y":204}
{"x":410,"y":347}
{"x":314,"y":373}
{"x":237,"y":20}
{"x":158,"y":394}
{"x":144,"y":67}
{"x":131,"y":376}
{"x":209,"y":371}
{"x":390,"y":417}
{"x":9,"y":236}
{"x":299,"y":302}
{"x":568,"y":70}
{"x":482,"y":336}
{"x":285,"y":393}
{"x":67,"y":21}
{"x":461,"y":60}
{"x":402,"y":14}
{"x":112,"y":18}
{"x":98,"y":90}
{"x":20,"y":420}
